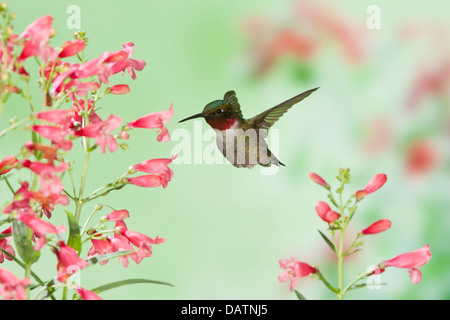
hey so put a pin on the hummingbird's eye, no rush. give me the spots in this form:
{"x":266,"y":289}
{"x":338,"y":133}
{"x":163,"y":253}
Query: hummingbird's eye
{"x":218,"y":111}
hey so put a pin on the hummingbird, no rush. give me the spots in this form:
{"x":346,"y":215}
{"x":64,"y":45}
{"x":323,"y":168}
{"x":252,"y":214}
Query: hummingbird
{"x":242,"y":141}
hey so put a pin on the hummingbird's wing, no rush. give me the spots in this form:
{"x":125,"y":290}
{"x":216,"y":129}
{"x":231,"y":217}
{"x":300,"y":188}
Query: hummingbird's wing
{"x":267,"y":118}
{"x":231,"y":99}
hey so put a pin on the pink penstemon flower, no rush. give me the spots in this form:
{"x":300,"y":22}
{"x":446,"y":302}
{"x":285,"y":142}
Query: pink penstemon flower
{"x":319,"y":180}
{"x":374,"y":184}
{"x":11,"y":287}
{"x":71,"y":48}
{"x":68,"y":261}
{"x":294,"y":271}
{"x":21,"y":203}
{"x":4,"y":244}
{"x":7,"y":164}
{"x":377,"y":227}
{"x":325,"y":213}
{"x":411,"y":261}
{"x":155,"y":120}
{"x":87,"y":294}
{"x":101,"y":132}
{"x":156,"y":166}
{"x":119,"y":89}
{"x":40,"y":228}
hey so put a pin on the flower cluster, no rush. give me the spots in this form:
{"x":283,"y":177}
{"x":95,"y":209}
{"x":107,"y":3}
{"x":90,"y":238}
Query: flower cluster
{"x":337,"y":224}
{"x":53,"y":129}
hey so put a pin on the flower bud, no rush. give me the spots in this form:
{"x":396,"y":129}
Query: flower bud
{"x":377,"y":227}
{"x":318,"y":179}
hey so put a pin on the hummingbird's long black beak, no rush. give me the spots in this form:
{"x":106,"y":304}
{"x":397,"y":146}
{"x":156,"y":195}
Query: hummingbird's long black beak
{"x":198,"y":115}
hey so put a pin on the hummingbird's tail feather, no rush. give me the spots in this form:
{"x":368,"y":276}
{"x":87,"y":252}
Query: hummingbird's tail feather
{"x":281,"y":163}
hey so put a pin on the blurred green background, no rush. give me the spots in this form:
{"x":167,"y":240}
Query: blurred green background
{"x":382,"y":107}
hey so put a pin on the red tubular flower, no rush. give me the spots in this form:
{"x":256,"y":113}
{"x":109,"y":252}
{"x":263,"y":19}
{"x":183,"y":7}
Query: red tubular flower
{"x":71,"y":48}
{"x":7,"y":164}
{"x":56,"y":134}
{"x":5,"y":246}
{"x":37,"y":35}
{"x":100,"y":131}
{"x":157,"y":166}
{"x":325,"y":213}
{"x":147,"y":181}
{"x":318,"y":179}
{"x":99,"y":247}
{"x":12,"y":287}
{"x":40,"y":228}
{"x":294,"y":271}
{"x":59,"y":116}
{"x":377,"y":227}
{"x":68,"y":261}
{"x":118,"y":215}
{"x":155,"y":121}
{"x":412,"y":261}
{"x":119,"y":89}
{"x":87,"y":294}
{"x":374,"y":184}
{"x":141,"y":241}
{"x":129,"y":64}
{"x":21,"y":203}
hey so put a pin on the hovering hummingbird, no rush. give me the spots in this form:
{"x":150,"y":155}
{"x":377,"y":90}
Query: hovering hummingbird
{"x":242,"y":141}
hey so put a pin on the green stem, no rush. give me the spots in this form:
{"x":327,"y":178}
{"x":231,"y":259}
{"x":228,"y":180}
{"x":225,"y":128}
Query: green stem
{"x":341,"y":266}
{"x":15,"y":125}
{"x":27,"y":275}
{"x":80,"y":202}
{"x":361,"y":276}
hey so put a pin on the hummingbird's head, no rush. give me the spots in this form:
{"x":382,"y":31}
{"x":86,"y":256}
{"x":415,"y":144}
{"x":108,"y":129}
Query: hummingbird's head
{"x":218,"y":114}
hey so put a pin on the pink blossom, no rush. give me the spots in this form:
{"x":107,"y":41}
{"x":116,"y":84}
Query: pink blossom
{"x":4,"y":244}
{"x":7,"y":164}
{"x":49,"y":181}
{"x":146,"y":181}
{"x":101,"y":132}
{"x":120,"y":89}
{"x":294,"y":271}
{"x":71,"y":48}
{"x":157,"y":166}
{"x":12,"y":287}
{"x":325,"y":213}
{"x":118,"y":215}
{"x":40,"y":228}
{"x":129,"y":64}
{"x":56,"y":134}
{"x":37,"y":35}
{"x":377,"y":227}
{"x":87,"y":294}
{"x":318,"y":179}
{"x":38,"y":29}
{"x":412,"y":261}
{"x":68,"y":261}
{"x":374,"y":184}
{"x":21,"y":203}
{"x":155,"y":121}
{"x":59,"y":116}
{"x":100,"y":247}
{"x":141,"y":241}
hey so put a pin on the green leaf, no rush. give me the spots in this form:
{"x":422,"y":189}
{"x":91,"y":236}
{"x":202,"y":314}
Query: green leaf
{"x":22,"y":240}
{"x":121,"y":283}
{"x":299,"y":295}
{"x":330,"y":244}
{"x":74,"y":233}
